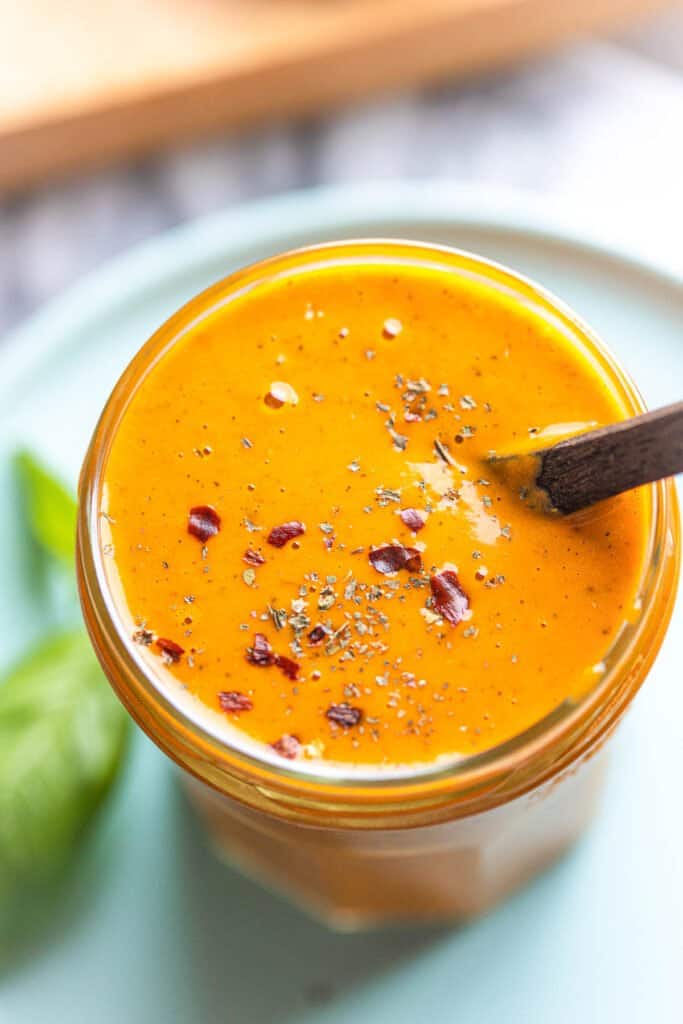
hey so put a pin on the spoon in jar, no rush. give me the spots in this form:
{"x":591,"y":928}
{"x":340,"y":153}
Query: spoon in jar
{"x":589,"y":467}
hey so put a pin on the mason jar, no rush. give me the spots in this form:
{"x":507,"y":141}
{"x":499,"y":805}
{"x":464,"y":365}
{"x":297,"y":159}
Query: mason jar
{"x":360,"y":848}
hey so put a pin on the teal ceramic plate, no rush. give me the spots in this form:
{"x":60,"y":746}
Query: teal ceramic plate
{"x":151,"y":928}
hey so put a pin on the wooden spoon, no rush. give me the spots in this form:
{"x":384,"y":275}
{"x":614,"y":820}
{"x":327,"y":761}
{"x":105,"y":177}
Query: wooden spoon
{"x":582,"y":470}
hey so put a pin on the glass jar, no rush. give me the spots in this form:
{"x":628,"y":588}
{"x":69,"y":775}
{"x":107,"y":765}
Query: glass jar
{"x":356,"y":849}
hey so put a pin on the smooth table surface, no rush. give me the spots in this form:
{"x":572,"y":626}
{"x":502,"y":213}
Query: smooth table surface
{"x":153,"y":928}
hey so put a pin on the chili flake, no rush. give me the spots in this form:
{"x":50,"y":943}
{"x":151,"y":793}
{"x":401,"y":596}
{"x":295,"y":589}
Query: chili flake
{"x":287,"y":665}
{"x":317,"y":635}
{"x":260,"y":653}
{"x":203,"y":522}
{"x":234,"y":702}
{"x":393,"y":557}
{"x":287,"y":746}
{"x":412,"y":518}
{"x":450,"y":600}
{"x":252,"y":557}
{"x":344,"y":715}
{"x":171,"y":652}
{"x":280,"y":535}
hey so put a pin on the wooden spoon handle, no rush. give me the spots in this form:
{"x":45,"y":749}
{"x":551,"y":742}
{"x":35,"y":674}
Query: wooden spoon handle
{"x":589,"y":467}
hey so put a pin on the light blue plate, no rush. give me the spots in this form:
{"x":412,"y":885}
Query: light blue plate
{"x":152,"y":928}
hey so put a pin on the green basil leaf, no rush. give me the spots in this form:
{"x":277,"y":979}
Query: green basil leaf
{"x":62,"y":740}
{"x":50,"y":508}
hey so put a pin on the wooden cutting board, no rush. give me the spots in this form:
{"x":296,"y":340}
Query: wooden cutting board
{"x":83,"y":83}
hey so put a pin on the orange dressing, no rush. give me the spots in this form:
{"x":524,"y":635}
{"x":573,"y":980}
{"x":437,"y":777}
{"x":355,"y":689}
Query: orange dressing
{"x":360,"y":401}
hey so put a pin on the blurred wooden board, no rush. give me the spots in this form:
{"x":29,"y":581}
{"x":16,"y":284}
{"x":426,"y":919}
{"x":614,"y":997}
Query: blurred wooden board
{"x":84,"y":83}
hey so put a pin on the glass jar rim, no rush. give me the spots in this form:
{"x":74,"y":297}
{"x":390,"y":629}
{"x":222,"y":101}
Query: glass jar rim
{"x":558,"y":738}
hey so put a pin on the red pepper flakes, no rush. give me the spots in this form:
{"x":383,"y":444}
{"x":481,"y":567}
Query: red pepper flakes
{"x":317,"y":635}
{"x":279,"y":535}
{"x":287,"y":665}
{"x":170,"y":650}
{"x":412,"y":518}
{"x":252,"y":557}
{"x":287,"y":746}
{"x":204,"y":522}
{"x":393,"y":557}
{"x":234,"y":702}
{"x":344,"y":715}
{"x":260,"y":653}
{"x":450,"y":600}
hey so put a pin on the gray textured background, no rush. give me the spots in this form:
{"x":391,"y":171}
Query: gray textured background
{"x":598,"y":125}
